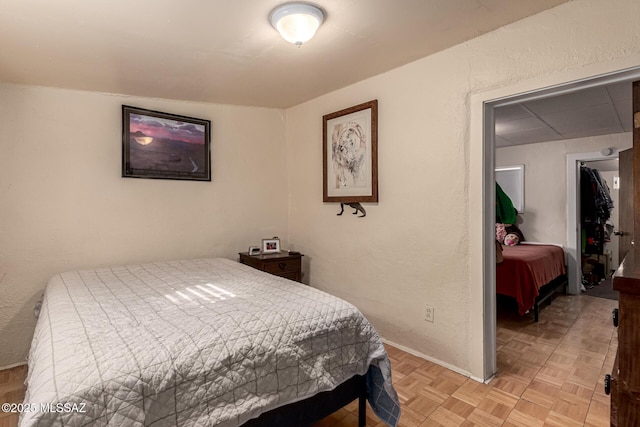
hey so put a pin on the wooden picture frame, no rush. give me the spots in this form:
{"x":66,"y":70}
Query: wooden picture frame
{"x":350,"y":154}
{"x":271,"y":246}
{"x":165,"y":146}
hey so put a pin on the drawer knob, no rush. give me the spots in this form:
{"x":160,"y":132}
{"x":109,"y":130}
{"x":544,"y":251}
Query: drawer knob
{"x":614,"y":315}
{"x":282,"y":265}
{"x":607,"y":384}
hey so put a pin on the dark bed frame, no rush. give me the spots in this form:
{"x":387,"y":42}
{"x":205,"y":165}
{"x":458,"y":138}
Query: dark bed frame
{"x":313,"y":409}
{"x":546,"y":293}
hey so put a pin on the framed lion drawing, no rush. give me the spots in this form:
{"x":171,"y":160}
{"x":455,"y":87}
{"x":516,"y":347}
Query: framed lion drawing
{"x":350,"y":148}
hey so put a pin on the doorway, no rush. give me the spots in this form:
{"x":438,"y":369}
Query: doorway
{"x":607,"y":161}
{"x":488,"y":201}
{"x":609,"y":171}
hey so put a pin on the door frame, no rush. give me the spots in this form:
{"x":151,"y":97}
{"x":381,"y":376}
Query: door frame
{"x":482,"y":189}
{"x":626,"y":208}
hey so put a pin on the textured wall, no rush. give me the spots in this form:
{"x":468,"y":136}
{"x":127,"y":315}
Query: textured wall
{"x":422,"y":243}
{"x":64,"y":205}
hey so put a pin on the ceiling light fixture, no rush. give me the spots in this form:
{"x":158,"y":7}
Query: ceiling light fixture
{"x":297,"y":23}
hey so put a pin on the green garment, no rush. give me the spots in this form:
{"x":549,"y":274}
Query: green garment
{"x":505,"y":212}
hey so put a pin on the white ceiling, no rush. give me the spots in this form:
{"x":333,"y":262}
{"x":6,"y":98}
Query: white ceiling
{"x":595,"y":111}
{"x":225,"y":51}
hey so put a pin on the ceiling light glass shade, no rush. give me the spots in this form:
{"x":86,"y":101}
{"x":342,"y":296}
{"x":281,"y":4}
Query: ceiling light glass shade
{"x":297,"y":23}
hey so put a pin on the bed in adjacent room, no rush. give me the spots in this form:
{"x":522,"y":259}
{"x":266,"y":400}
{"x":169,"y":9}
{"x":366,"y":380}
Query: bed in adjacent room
{"x":200,"y":342}
{"x":530,"y":273}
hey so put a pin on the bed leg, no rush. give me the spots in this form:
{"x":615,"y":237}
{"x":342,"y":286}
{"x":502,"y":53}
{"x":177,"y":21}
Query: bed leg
{"x":362,"y":411}
{"x":536,"y":312}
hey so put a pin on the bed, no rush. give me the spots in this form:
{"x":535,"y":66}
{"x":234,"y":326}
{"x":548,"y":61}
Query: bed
{"x":207,"y":342}
{"x":530,"y":273}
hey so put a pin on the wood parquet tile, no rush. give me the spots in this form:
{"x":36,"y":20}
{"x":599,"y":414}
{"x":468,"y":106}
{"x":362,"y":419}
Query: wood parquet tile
{"x":11,"y":391}
{"x":550,"y":374}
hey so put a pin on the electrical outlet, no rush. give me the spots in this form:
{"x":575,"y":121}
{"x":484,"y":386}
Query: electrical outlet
{"x":428,"y":313}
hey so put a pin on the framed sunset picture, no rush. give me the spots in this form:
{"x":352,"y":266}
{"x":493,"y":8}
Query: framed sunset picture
{"x":165,"y":146}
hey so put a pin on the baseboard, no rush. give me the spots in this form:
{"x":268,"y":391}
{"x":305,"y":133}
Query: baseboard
{"x":15,"y":365}
{"x":432,"y":359}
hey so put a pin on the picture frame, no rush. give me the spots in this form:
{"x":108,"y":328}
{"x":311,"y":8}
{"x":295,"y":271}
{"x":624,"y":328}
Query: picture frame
{"x":271,"y":246}
{"x":511,"y":180}
{"x":165,"y":146}
{"x":350,"y":154}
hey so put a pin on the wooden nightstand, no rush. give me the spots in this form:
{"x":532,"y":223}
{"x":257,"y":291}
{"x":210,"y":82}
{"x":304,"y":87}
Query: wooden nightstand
{"x":282,"y":264}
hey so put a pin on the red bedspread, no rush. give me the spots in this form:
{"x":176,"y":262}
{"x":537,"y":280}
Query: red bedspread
{"x":525,"y":269}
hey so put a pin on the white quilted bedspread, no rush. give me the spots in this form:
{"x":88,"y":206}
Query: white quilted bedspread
{"x":208,"y":342}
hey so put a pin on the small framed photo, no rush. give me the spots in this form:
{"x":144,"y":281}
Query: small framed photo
{"x":166,"y":146}
{"x":270,"y":246}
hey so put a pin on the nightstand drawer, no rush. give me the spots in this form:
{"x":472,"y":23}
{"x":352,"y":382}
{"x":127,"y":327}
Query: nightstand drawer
{"x":292,"y":275}
{"x":280,"y":264}
{"x":284,"y":266}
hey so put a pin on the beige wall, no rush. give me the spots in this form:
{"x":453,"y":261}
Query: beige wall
{"x":64,"y":205}
{"x":422,"y":243}
{"x":545,"y":181}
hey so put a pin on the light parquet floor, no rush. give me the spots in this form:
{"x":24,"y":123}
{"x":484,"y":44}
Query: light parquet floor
{"x":11,"y":391}
{"x":550,"y":374}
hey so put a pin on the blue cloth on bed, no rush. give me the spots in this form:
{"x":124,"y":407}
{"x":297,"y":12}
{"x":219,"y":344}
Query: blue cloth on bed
{"x":381,"y":395}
